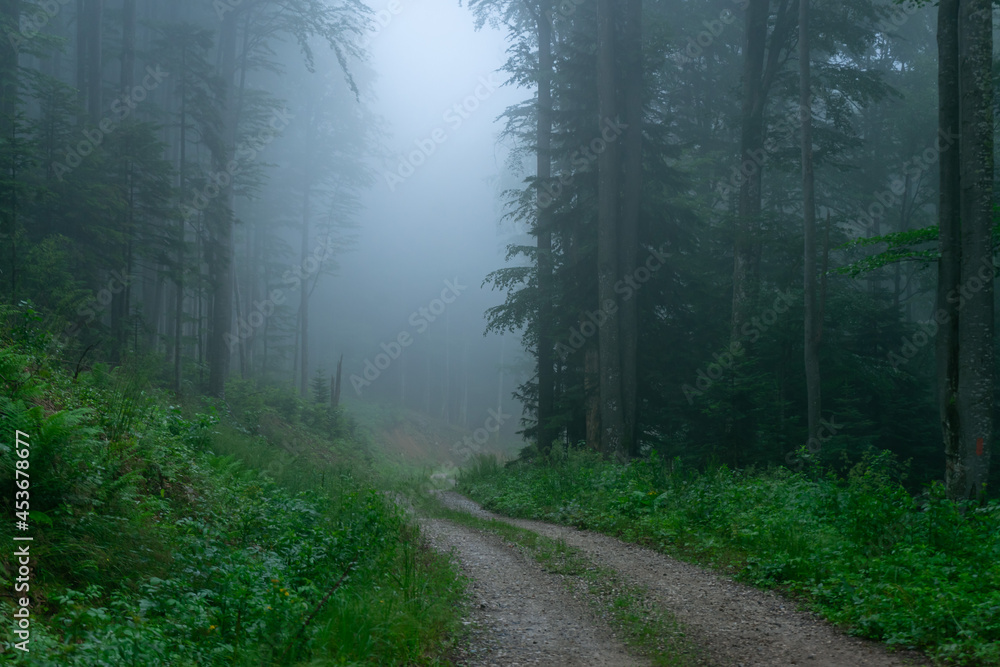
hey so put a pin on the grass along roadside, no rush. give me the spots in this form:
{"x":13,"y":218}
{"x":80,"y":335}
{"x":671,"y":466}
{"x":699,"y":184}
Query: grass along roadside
{"x":647,"y":629}
{"x":170,"y":535}
{"x":911,"y":571}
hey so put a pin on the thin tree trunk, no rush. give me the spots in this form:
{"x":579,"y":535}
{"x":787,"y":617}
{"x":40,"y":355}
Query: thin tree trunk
{"x":545,"y":354}
{"x":631,"y":201}
{"x":335,"y":393}
{"x":82,"y":23}
{"x":812,"y":320}
{"x":950,"y":243}
{"x":181,"y":228}
{"x":446,"y":391}
{"x":304,"y":292}
{"x":609,"y":341}
{"x":95,"y":63}
{"x":751,"y":146}
{"x":222,"y":265}
{"x":240,"y":324}
{"x":10,"y":14}
{"x":592,"y":395}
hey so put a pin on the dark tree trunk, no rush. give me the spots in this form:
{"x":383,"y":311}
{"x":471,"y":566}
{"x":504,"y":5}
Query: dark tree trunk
{"x":751,"y":147}
{"x":631,"y":201}
{"x":335,"y":392}
{"x":304,"y":292}
{"x":181,"y":226}
{"x":546,"y":356}
{"x":10,"y":16}
{"x":761,"y":62}
{"x":95,"y":64}
{"x":612,"y":425}
{"x":975,"y":325}
{"x":592,"y":394}
{"x":222,"y":236}
{"x":949,"y":239}
{"x":82,"y":23}
{"x":128,"y":46}
{"x":813,"y":321}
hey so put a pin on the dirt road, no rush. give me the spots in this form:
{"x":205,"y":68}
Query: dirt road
{"x":527,"y":616}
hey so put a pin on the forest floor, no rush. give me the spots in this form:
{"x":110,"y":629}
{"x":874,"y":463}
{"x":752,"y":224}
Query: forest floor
{"x":523,"y":613}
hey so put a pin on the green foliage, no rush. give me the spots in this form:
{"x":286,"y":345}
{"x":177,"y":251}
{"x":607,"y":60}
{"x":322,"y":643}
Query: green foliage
{"x":909,"y":245}
{"x":151,"y":548}
{"x":910,"y":571}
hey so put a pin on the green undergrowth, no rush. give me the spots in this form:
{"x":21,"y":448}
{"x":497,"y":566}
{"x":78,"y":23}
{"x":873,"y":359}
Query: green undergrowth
{"x":913,"y":572}
{"x":170,"y":535}
{"x":649,"y":629}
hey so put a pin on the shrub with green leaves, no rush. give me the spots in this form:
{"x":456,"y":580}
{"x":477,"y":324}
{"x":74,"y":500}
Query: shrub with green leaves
{"x":151,"y":548}
{"x":910,"y":571}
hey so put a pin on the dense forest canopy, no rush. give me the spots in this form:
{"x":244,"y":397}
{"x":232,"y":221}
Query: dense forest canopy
{"x":754,"y":232}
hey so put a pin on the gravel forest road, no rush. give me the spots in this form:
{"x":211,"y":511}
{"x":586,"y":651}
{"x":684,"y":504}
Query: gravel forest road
{"x":524,"y":615}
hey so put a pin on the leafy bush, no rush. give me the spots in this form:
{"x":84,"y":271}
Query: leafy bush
{"x":151,"y":548}
{"x":910,"y":571}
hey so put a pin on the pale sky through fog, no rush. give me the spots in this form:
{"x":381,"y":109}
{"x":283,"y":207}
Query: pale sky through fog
{"x":441,"y":222}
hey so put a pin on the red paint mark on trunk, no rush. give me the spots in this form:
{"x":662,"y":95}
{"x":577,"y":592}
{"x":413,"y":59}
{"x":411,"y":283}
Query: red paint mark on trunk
{"x":979,"y":446}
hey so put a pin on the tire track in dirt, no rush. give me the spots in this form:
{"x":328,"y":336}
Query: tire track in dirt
{"x":733,"y":623}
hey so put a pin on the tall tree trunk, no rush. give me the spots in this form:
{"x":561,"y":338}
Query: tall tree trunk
{"x":10,"y":18}
{"x":592,"y":394}
{"x":975,"y":325}
{"x":120,"y":305}
{"x":545,"y":352}
{"x":335,"y":391}
{"x":181,"y":225}
{"x":95,"y":64}
{"x":751,"y":147}
{"x":304,"y":292}
{"x":128,"y":46}
{"x":761,"y":62}
{"x":631,"y":201}
{"x":222,"y":236}
{"x":82,"y":25}
{"x":612,"y":425}
{"x":812,"y":316}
